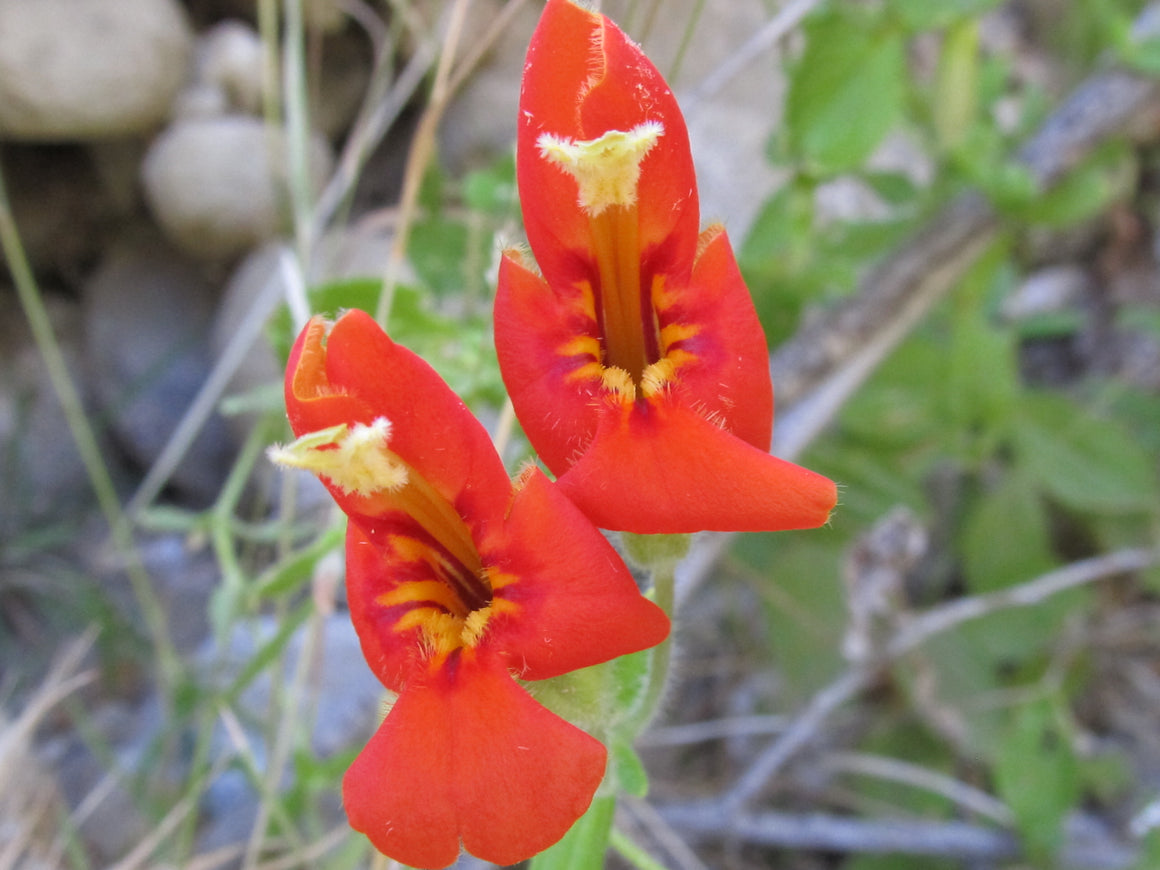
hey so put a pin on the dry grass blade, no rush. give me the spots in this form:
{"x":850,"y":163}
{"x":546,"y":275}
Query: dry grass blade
{"x":170,"y":822}
{"x":30,"y":804}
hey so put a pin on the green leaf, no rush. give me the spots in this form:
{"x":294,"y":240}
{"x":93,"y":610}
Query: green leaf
{"x":920,"y":15}
{"x":1143,"y":56}
{"x":492,"y":190}
{"x":1149,"y":857}
{"x":288,"y":575}
{"x":584,"y":846}
{"x":269,"y":650}
{"x":1006,"y":538}
{"x":781,"y":234}
{"x":328,"y":299}
{"x":982,"y":385}
{"x":845,"y":93}
{"x":1087,"y":462}
{"x":1108,"y":175}
{"x":631,"y":675}
{"x":900,"y":862}
{"x":1036,"y":774}
{"x":896,"y":188}
{"x":795,"y":576}
{"x":949,"y":675}
{"x":438,"y":251}
{"x":626,"y":773}
{"x":956,"y":92}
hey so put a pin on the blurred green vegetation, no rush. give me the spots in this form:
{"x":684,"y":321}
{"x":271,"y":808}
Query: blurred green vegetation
{"x":1011,"y":476}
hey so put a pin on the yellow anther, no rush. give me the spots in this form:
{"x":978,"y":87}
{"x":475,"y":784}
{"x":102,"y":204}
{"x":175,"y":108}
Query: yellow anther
{"x":656,"y":376}
{"x":617,"y":380}
{"x":474,"y":626}
{"x":607,"y":169}
{"x":355,"y":458}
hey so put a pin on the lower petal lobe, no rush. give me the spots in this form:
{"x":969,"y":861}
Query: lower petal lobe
{"x":467,"y":758}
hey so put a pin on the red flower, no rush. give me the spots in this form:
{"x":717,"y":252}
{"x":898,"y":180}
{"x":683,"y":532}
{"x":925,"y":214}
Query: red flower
{"x":457,"y":580}
{"x":636,"y":363}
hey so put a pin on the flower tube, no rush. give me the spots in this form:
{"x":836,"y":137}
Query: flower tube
{"x":461,"y":584}
{"x":634,"y":357}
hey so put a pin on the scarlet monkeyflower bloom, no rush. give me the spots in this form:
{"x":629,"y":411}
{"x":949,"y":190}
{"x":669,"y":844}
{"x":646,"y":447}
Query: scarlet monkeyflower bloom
{"x":458,"y":581}
{"x":635,"y":359}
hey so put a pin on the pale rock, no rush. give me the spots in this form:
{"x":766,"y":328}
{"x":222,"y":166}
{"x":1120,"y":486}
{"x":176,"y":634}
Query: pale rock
{"x":1050,"y":290}
{"x":218,"y":186}
{"x":231,"y":60}
{"x":39,"y":463}
{"x":89,"y":69}
{"x":148,"y":311}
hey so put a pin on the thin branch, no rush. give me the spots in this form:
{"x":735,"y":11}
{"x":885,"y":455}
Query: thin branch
{"x":1085,"y":845}
{"x":772,"y":32}
{"x":857,"y":679}
{"x":713,"y":729}
{"x":667,"y":839}
{"x":842,"y":834}
{"x":915,"y":775}
{"x":806,"y":725}
{"x":940,"y":619}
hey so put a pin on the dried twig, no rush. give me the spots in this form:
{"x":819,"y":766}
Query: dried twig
{"x":681,"y":856}
{"x":935,"y":621}
{"x":713,"y":729}
{"x":772,"y":32}
{"x":967,"y":797}
{"x":726,"y":814}
{"x":1085,"y":846}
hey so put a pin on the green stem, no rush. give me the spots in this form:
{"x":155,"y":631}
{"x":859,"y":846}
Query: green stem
{"x":169,"y":666}
{"x":660,"y":554}
{"x":583,"y":847}
{"x":631,"y":852}
{"x":660,"y":656}
{"x":296,"y":130}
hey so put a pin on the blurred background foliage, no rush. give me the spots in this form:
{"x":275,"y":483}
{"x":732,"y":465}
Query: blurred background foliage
{"x":1005,"y":437}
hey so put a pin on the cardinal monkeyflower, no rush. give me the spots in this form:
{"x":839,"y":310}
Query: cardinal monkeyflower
{"x":634,"y":358}
{"x":459,"y":582}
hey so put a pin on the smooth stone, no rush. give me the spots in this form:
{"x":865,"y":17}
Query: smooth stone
{"x":148,"y":311}
{"x":218,"y":186}
{"x":42,"y":471}
{"x":89,"y":69}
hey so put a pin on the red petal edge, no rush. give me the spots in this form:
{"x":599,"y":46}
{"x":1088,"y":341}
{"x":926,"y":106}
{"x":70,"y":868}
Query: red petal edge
{"x":579,"y":605}
{"x":469,"y":759}
{"x":584,"y":77}
{"x":555,"y":402}
{"x":355,"y":373}
{"x":660,"y":468}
